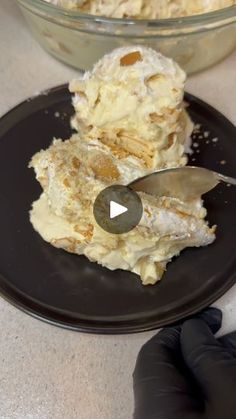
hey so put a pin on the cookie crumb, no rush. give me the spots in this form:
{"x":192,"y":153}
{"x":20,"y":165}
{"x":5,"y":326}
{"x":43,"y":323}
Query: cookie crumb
{"x":197,"y":127}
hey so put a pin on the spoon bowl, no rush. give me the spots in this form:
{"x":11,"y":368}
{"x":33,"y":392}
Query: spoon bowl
{"x":184,"y":183}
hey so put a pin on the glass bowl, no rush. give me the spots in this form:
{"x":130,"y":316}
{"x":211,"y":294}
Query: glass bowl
{"x":79,"y":39}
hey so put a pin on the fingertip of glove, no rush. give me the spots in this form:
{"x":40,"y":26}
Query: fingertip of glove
{"x":201,"y":328}
{"x":212,"y":317}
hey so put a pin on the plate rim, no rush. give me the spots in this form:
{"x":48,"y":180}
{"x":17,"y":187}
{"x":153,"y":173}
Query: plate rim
{"x":114,"y":328}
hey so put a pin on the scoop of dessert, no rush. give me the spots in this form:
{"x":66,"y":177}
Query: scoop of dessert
{"x":131,"y":120}
{"x":133,"y":99}
{"x":72,"y":173}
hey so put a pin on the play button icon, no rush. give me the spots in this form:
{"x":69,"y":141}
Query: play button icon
{"x":118,"y":209}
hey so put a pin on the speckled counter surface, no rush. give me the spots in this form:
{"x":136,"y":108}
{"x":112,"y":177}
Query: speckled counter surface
{"x":47,"y":372}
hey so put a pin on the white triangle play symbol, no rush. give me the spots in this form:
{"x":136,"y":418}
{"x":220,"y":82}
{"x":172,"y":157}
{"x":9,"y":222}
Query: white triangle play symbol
{"x":116,"y":209}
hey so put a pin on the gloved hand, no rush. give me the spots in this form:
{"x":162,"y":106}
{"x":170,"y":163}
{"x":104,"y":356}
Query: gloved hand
{"x":184,"y":372}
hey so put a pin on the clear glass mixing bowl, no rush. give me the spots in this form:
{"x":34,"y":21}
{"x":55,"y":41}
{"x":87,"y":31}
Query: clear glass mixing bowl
{"x":79,"y":39}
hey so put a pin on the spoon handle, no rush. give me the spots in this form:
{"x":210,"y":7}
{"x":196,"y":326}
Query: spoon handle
{"x":226,"y":179}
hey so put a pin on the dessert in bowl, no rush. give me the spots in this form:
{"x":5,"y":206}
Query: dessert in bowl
{"x":144,"y":9}
{"x":196,"y":34}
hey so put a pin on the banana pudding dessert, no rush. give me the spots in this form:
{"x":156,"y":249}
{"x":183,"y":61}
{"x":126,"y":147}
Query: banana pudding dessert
{"x":130,"y":121}
{"x":132,"y":101}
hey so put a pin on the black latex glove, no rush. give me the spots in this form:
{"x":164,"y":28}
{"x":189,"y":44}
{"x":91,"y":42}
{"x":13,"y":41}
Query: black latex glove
{"x":184,"y":372}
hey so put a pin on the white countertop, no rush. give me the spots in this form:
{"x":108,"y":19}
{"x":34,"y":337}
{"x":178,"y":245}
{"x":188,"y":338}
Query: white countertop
{"x":47,"y":372}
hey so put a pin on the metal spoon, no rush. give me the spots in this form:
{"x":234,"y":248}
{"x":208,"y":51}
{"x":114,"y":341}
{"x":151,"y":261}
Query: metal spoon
{"x":185,"y":183}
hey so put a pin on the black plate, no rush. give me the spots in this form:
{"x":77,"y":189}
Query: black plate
{"x":68,"y":290}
